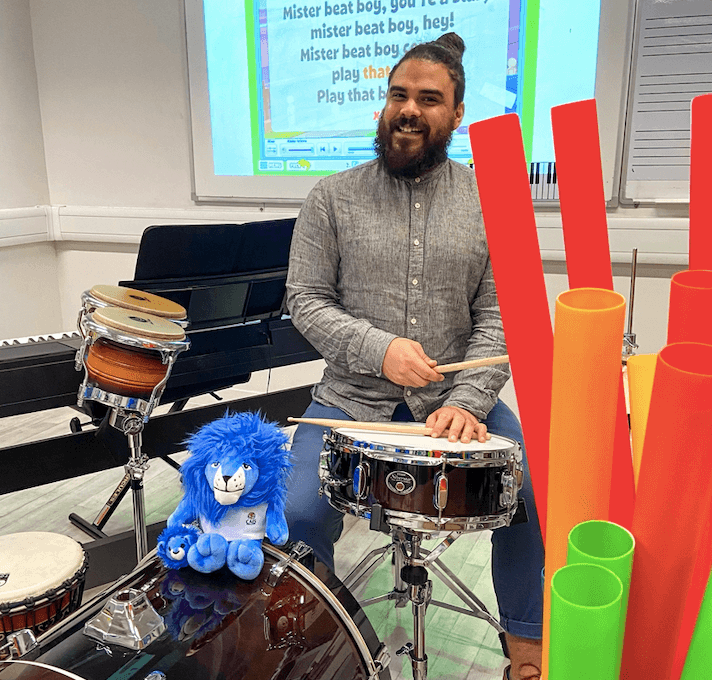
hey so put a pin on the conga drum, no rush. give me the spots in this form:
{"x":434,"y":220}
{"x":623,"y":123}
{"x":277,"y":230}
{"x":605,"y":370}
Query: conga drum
{"x":41,"y":580}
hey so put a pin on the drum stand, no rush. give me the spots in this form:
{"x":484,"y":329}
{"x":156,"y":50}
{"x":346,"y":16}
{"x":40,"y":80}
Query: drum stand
{"x":412,"y":585}
{"x":131,"y":424}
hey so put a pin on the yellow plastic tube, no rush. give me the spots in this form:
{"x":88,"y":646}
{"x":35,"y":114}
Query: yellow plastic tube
{"x":588,"y":336}
{"x":641,"y":371}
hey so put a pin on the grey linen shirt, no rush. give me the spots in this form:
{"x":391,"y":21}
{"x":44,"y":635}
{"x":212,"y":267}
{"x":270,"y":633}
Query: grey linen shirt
{"x":374,"y":258}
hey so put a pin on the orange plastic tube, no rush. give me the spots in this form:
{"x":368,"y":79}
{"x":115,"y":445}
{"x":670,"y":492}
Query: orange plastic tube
{"x":700,"y":181}
{"x":588,"y":335}
{"x":641,"y":370}
{"x":670,"y":508}
{"x":588,"y":259}
{"x":498,"y":151}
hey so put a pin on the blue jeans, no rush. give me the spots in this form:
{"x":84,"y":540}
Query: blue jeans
{"x":517,"y":551}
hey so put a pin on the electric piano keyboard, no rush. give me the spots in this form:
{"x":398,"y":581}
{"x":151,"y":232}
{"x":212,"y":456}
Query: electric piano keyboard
{"x":542,"y":179}
{"x":38,"y":372}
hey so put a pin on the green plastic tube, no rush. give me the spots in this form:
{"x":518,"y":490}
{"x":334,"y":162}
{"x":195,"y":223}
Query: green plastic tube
{"x":585,"y":623}
{"x":699,"y":656}
{"x":608,"y":545}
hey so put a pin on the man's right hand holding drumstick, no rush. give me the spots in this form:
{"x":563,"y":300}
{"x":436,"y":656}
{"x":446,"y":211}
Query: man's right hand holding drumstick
{"x":406,"y":363}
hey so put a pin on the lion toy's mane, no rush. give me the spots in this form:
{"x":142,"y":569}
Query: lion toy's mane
{"x":240,"y":438}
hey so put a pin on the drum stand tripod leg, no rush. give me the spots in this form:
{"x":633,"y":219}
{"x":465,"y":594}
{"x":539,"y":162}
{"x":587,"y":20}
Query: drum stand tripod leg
{"x":137,"y":465}
{"x":476,"y":607}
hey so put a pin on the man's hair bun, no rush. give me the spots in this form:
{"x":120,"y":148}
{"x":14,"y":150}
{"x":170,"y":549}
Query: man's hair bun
{"x":453,"y":42}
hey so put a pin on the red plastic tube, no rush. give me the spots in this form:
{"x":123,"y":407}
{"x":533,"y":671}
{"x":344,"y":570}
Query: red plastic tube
{"x":505,"y":195}
{"x":700,"y":181}
{"x":671,"y":501}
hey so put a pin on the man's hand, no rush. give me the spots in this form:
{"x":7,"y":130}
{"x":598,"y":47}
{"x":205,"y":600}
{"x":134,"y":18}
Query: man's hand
{"x":407,"y":364}
{"x":462,"y":425}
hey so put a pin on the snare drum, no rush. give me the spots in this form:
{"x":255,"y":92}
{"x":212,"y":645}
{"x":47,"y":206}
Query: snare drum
{"x":421,"y":483}
{"x":41,"y":580}
{"x":127,"y":354}
{"x":101,"y":296}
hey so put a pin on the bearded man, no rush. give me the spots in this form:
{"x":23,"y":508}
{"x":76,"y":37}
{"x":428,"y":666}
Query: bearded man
{"x":390,"y":276}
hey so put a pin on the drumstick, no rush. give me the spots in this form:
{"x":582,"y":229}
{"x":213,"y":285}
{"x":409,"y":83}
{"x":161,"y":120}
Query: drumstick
{"x":372,"y":427}
{"x":473,"y":363}
{"x":360,"y":425}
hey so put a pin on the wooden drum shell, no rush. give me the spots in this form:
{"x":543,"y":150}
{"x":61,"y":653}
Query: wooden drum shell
{"x":123,"y":370}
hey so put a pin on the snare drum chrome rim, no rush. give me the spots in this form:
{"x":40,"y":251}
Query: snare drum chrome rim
{"x":422,"y":456}
{"x":424,"y":523}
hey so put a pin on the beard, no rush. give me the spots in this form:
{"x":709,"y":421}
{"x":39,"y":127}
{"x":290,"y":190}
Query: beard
{"x":403,"y":162}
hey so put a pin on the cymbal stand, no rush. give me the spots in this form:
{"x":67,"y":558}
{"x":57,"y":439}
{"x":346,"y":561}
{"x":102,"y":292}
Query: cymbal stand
{"x":629,"y":343}
{"x":411,"y":584}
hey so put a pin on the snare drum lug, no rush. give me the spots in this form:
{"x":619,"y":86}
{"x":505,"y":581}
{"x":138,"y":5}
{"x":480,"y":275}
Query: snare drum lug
{"x":441,"y":491}
{"x":508,"y":495}
{"x":361,"y":479}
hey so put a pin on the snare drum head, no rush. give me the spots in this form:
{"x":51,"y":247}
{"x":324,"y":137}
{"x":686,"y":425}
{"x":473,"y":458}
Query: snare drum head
{"x":34,"y":562}
{"x":420,"y":445}
{"x":138,"y":324}
{"x":138,"y":300}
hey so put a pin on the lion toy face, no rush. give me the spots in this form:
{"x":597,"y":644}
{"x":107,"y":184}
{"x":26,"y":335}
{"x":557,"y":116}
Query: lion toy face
{"x":229,"y":479}
{"x":234,"y":486}
{"x":174,"y":543}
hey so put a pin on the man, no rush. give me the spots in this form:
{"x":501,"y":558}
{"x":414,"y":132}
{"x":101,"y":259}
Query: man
{"x":390,"y":276}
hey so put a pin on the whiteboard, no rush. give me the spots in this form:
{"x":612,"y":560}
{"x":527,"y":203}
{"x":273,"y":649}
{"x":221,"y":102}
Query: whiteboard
{"x":566,"y":39}
{"x":672,"y":64}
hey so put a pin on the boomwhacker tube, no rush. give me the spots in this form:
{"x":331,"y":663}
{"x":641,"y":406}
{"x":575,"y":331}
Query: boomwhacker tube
{"x":585,"y":623}
{"x":611,"y":546}
{"x":588,"y":335}
{"x":689,"y":321}
{"x":699,"y":656}
{"x":641,"y":371}
{"x":671,"y":501}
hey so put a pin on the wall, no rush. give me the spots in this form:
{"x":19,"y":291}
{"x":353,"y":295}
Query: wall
{"x":27,"y":258}
{"x":112,"y":91}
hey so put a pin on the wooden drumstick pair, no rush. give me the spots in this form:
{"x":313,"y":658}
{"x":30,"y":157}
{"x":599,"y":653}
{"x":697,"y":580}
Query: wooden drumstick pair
{"x":396,"y":427}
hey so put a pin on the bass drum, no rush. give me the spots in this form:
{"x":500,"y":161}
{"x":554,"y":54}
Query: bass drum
{"x":287,"y":624}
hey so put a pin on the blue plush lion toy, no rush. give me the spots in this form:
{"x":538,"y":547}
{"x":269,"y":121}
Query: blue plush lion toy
{"x":234,"y":484}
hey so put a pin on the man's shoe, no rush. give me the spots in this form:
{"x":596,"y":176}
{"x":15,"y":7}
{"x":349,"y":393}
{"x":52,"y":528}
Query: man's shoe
{"x":526,"y":669}
{"x":525,"y":658}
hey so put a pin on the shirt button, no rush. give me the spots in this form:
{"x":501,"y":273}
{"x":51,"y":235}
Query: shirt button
{"x":417,"y":180}
{"x":417,"y":205}
{"x":414,"y":321}
{"x":415,"y":282}
{"x":408,"y":393}
{"x":416,"y":242}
